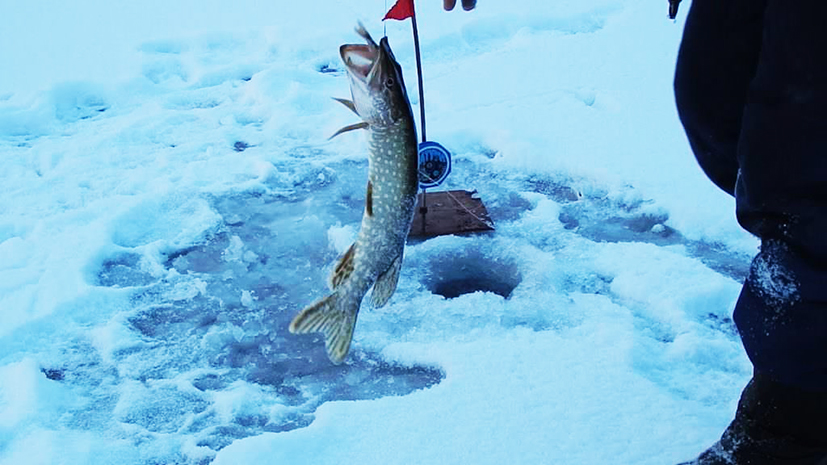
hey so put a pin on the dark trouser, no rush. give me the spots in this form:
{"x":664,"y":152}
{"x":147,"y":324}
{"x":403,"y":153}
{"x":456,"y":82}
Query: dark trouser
{"x":774,"y":425}
{"x":751,"y":89}
{"x":781,"y":316}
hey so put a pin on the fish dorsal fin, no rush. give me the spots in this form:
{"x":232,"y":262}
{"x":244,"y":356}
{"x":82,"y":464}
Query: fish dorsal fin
{"x":331,"y":317}
{"x":385,"y":284}
{"x":344,"y":268}
{"x":347,"y":103}
{"x":352,"y":127}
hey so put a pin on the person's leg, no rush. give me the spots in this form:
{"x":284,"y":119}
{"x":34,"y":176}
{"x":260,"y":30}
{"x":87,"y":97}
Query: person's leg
{"x":774,"y":425}
{"x":780,"y":315}
{"x":781,"y":193}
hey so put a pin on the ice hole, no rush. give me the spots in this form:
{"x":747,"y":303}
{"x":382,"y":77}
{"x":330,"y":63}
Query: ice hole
{"x":468,"y":271}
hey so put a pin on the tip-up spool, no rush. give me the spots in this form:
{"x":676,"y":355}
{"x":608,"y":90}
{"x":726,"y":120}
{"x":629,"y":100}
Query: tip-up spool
{"x":434,"y":164}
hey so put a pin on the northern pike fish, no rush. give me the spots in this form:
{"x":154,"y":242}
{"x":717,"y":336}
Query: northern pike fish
{"x":374,"y":260}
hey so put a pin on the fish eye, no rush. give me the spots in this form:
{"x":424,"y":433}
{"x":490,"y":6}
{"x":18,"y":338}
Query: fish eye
{"x":389,"y":82}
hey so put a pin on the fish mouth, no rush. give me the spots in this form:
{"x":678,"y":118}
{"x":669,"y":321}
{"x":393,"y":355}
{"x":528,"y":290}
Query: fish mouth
{"x":376,"y":84}
{"x":359,"y":59}
{"x":363,"y":61}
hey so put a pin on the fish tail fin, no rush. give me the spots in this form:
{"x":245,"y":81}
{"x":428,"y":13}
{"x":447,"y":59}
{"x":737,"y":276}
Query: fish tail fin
{"x":331,"y":317}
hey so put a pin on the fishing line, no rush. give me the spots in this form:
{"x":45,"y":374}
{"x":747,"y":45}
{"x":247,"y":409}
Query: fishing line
{"x":456,"y":200}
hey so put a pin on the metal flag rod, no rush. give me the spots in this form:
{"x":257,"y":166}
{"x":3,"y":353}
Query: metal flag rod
{"x":423,"y":210}
{"x":418,"y":72}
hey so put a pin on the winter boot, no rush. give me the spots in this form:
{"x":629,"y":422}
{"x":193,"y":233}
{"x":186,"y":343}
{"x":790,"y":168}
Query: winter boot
{"x":775,"y":425}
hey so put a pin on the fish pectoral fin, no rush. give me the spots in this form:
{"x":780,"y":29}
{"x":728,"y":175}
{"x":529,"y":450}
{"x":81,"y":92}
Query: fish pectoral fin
{"x":385,"y":284}
{"x":343,"y":268}
{"x":329,"y":317}
{"x":347,"y":103}
{"x":352,"y":127}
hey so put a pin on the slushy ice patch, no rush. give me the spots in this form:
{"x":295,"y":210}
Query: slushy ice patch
{"x":211,"y":355}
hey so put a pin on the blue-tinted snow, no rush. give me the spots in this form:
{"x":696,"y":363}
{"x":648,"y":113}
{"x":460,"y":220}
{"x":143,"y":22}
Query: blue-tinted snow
{"x":169,"y":200}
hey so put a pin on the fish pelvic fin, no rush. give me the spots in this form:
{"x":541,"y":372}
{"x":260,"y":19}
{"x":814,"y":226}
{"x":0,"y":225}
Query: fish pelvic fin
{"x":352,"y":127}
{"x":343,"y":269}
{"x":386,"y":283}
{"x":331,"y":317}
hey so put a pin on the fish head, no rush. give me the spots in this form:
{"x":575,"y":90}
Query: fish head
{"x":376,"y":83}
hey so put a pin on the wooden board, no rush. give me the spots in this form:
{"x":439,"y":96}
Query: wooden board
{"x":449,"y":212}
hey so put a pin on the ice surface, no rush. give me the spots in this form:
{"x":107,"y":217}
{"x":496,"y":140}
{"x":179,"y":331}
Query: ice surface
{"x":169,"y":201}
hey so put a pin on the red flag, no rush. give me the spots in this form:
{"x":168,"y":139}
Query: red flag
{"x":403,"y":9}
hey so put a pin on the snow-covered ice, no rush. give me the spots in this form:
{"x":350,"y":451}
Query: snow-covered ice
{"x":169,"y":200}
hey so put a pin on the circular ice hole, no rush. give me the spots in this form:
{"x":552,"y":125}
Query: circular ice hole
{"x":468,"y":271}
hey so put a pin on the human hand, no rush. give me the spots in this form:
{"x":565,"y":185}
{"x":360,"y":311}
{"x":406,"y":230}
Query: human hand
{"x":673,"y":7}
{"x":467,"y":5}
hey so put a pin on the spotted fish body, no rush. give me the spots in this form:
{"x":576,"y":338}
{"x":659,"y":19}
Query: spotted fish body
{"x":374,"y":260}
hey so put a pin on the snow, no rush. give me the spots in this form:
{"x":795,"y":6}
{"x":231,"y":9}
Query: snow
{"x":169,"y":200}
